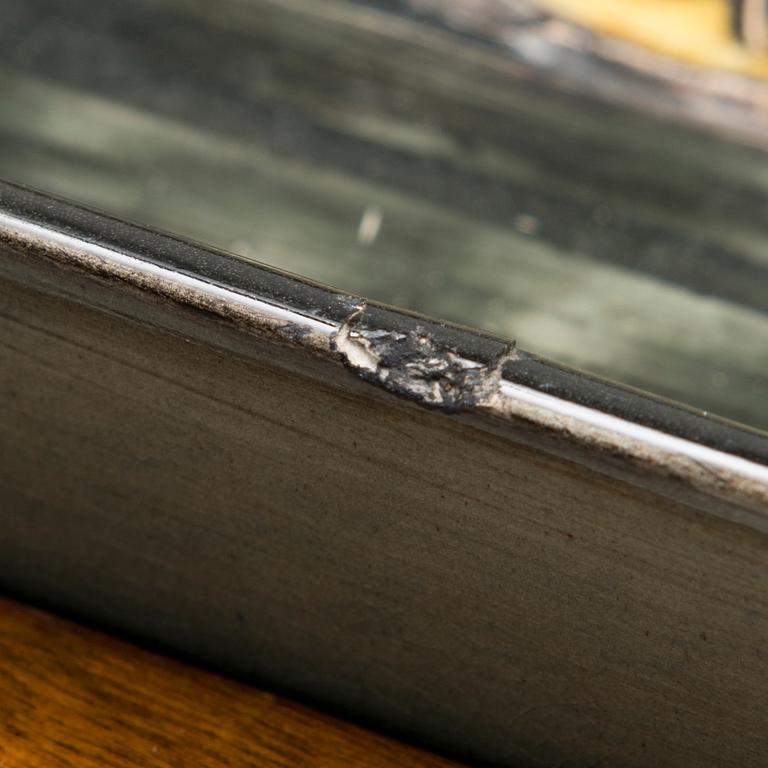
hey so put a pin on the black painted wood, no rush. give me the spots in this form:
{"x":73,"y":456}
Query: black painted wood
{"x":235,"y":494}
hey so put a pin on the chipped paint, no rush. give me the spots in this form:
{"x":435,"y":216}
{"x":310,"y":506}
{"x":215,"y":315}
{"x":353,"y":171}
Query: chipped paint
{"x":414,"y":365}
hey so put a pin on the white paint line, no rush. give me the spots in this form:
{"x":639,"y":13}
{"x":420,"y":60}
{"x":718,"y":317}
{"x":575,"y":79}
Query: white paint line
{"x":614,"y":425}
{"x":24,"y":229}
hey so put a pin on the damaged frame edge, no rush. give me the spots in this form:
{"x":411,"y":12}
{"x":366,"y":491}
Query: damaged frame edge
{"x":435,"y":365}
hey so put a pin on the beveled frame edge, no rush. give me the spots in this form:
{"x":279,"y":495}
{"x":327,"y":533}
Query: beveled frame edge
{"x":712,"y":464}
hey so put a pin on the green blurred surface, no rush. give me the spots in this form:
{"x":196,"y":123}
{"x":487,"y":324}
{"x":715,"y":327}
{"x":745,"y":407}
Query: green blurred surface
{"x":394,"y":161}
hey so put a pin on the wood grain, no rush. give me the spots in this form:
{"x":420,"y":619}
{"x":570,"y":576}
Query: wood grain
{"x":71,"y":696}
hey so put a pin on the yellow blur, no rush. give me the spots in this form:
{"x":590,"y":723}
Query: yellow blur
{"x":697,"y":31}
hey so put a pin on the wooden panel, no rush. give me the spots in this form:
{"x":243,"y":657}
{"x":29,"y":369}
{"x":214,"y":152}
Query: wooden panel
{"x":71,"y":697}
{"x":291,"y":524}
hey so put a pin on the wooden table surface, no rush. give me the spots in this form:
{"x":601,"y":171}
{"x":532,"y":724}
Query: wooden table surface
{"x":71,"y":696}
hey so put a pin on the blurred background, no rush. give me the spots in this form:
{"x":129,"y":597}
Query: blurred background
{"x":588,"y":178}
